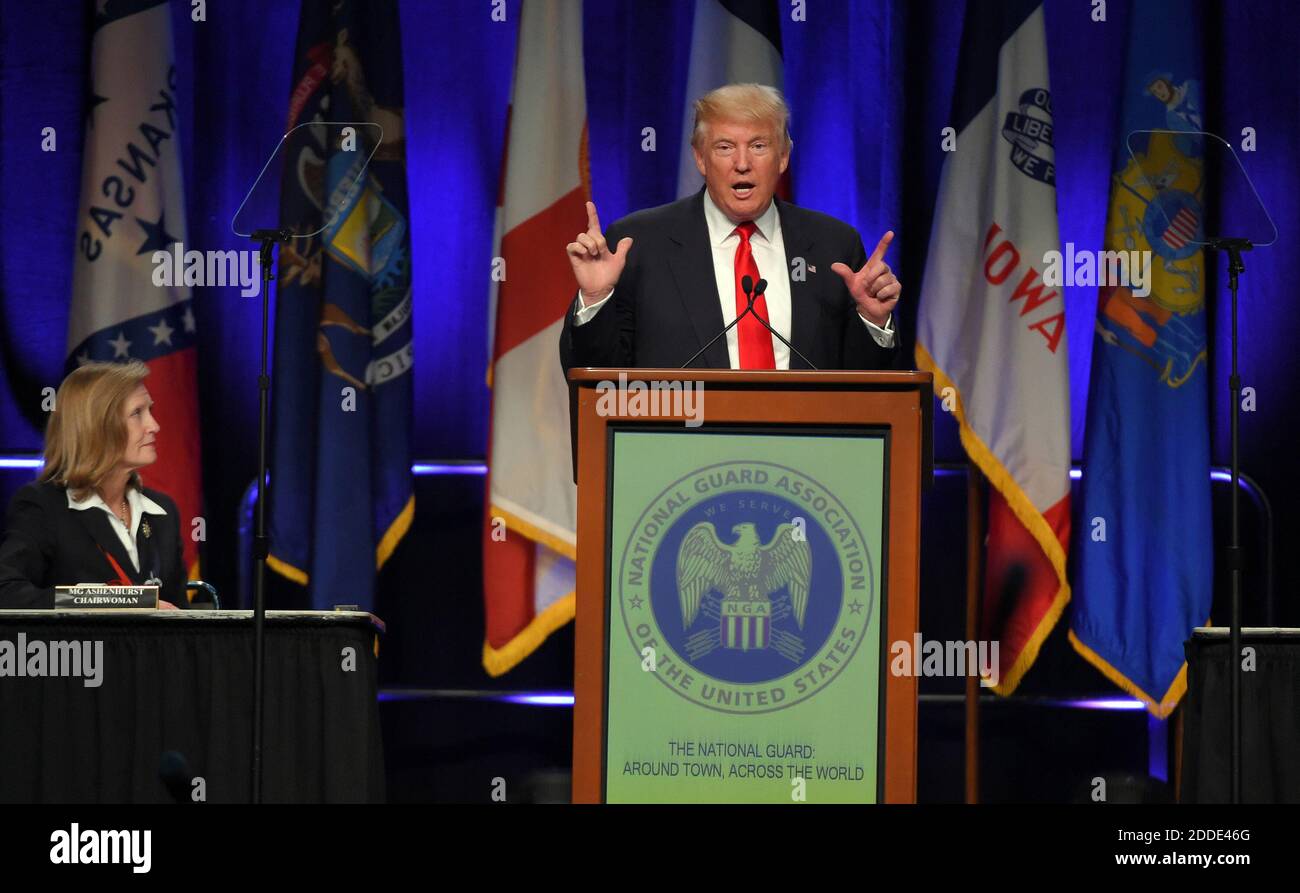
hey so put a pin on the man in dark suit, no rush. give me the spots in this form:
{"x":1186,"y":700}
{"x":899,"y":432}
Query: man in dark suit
{"x":53,"y":540}
{"x":675,"y":277}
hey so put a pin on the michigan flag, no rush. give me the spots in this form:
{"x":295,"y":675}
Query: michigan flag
{"x":993,"y":331}
{"x":1145,"y":567}
{"x":341,"y":494}
{"x":130,"y":229}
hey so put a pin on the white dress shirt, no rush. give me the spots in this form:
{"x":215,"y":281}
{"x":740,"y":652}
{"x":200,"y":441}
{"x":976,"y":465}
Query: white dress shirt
{"x":139,"y":504}
{"x":768,"y":247}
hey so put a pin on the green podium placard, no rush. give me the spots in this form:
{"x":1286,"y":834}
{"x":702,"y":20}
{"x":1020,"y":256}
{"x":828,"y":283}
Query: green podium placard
{"x":745,"y":616}
{"x":740,"y":571}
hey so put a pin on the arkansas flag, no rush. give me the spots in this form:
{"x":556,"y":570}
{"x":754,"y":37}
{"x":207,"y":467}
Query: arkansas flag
{"x":993,"y":333}
{"x":732,"y":42}
{"x":529,"y":538}
{"x":126,"y":304}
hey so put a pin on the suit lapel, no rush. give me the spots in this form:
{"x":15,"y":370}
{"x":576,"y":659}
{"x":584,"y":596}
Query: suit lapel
{"x":803,"y":309}
{"x":692,"y":267}
{"x":101,"y":529}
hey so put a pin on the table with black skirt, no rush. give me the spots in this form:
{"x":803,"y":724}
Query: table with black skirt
{"x":1270,"y":717}
{"x":157,"y":707}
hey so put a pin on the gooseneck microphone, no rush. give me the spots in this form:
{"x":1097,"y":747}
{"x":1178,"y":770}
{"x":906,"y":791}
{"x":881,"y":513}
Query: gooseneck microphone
{"x":758,"y":290}
{"x":753,"y":293}
{"x":747,"y":286}
{"x":174,"y":772}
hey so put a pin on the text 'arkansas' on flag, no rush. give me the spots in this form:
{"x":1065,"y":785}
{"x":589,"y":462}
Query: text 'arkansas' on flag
{"x":132,"y":207}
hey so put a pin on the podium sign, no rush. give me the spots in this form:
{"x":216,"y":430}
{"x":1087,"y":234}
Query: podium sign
{"x":744,"y":637}
{"x":734,"y":592}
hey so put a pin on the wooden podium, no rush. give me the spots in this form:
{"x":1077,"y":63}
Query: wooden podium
{"x":745,"y":456}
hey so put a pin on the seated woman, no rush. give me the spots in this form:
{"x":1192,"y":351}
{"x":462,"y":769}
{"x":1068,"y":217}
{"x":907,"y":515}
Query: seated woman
{"x":89,"y":519}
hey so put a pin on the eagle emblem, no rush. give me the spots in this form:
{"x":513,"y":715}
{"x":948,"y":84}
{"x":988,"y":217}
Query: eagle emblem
{"x":734,"y":586}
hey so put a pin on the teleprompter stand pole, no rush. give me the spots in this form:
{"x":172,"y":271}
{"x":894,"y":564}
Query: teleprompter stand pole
{"x":1234,"y":248}
{"x":267,"y":238}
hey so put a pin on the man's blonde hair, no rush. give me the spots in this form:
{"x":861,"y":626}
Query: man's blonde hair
{"x":86,"y":434}
{"x":742,"y":102}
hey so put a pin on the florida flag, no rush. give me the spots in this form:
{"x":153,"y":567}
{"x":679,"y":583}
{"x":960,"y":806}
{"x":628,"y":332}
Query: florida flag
{"x":126,"y":305}
{"x":529,"y":535}
{"x":993,"y":333}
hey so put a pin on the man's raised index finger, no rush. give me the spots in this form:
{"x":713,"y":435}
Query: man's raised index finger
{"x":593,"y":219}
{"x":881,"y":247}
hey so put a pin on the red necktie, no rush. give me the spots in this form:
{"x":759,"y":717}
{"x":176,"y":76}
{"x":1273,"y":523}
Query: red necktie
{"x":755,"y":342}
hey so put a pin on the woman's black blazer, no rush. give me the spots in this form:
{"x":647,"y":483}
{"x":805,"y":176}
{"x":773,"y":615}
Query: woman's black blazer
{"x":48,"y":544}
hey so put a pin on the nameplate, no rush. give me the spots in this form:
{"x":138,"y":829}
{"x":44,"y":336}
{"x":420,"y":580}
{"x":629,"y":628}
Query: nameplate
{"x":96,"y":596}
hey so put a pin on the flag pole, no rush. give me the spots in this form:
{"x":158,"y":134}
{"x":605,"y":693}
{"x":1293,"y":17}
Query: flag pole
{"x":1178,"y":753}
{"x":974,"y":537}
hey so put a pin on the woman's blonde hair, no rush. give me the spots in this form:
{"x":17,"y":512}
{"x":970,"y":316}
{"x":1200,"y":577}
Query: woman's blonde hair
{"x":86,"y":434}
{"x":742,"y":102}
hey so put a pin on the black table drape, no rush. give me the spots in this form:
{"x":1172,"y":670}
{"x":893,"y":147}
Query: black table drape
{"x":1270,"y":718}
{"x":182,"y":682}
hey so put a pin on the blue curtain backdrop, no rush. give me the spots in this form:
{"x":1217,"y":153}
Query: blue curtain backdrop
{"x":870,"y":85}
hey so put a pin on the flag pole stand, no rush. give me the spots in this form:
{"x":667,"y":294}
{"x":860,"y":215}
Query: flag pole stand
{"x":267,"y":238}
{"x":974,"y":548}
{"x":1234,"y":248}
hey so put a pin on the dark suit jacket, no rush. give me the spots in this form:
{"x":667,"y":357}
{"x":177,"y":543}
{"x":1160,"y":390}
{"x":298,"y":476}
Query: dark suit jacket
{"x":48,"y":544}
{"x":666,"y":304}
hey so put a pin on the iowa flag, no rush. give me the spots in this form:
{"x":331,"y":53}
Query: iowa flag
{"x":530,"y":526}
{"x":993,"y":333}
{"x":1145,"y":549}
{"x":732,"y":42}
{"x":133,"y":206}
{"x":341,"y":495}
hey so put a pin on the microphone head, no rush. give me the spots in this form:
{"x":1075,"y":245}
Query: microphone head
{"x":174,"y":772}
{"x":760,"y":287}
{"x":747,"y":284}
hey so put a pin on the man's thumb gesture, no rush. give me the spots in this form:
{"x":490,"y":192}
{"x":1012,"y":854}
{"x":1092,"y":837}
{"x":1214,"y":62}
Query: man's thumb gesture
{"x":875,"y":288}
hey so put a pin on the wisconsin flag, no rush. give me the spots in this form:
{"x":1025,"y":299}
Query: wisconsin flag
{"x":130,"y":221}
{"x":1145,"y":566}
{"x":732,"y":42}
{"x":341,"y":495}
{"x":529,"y":533}
{"x":992,"y":331}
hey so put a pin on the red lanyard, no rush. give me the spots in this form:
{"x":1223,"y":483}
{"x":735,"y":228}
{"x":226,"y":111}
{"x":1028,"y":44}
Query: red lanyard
{"x":122,"y":578}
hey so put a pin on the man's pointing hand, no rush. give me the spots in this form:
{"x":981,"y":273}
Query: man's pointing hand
{"x":594,"y":266}
{"x":875,"y":288}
